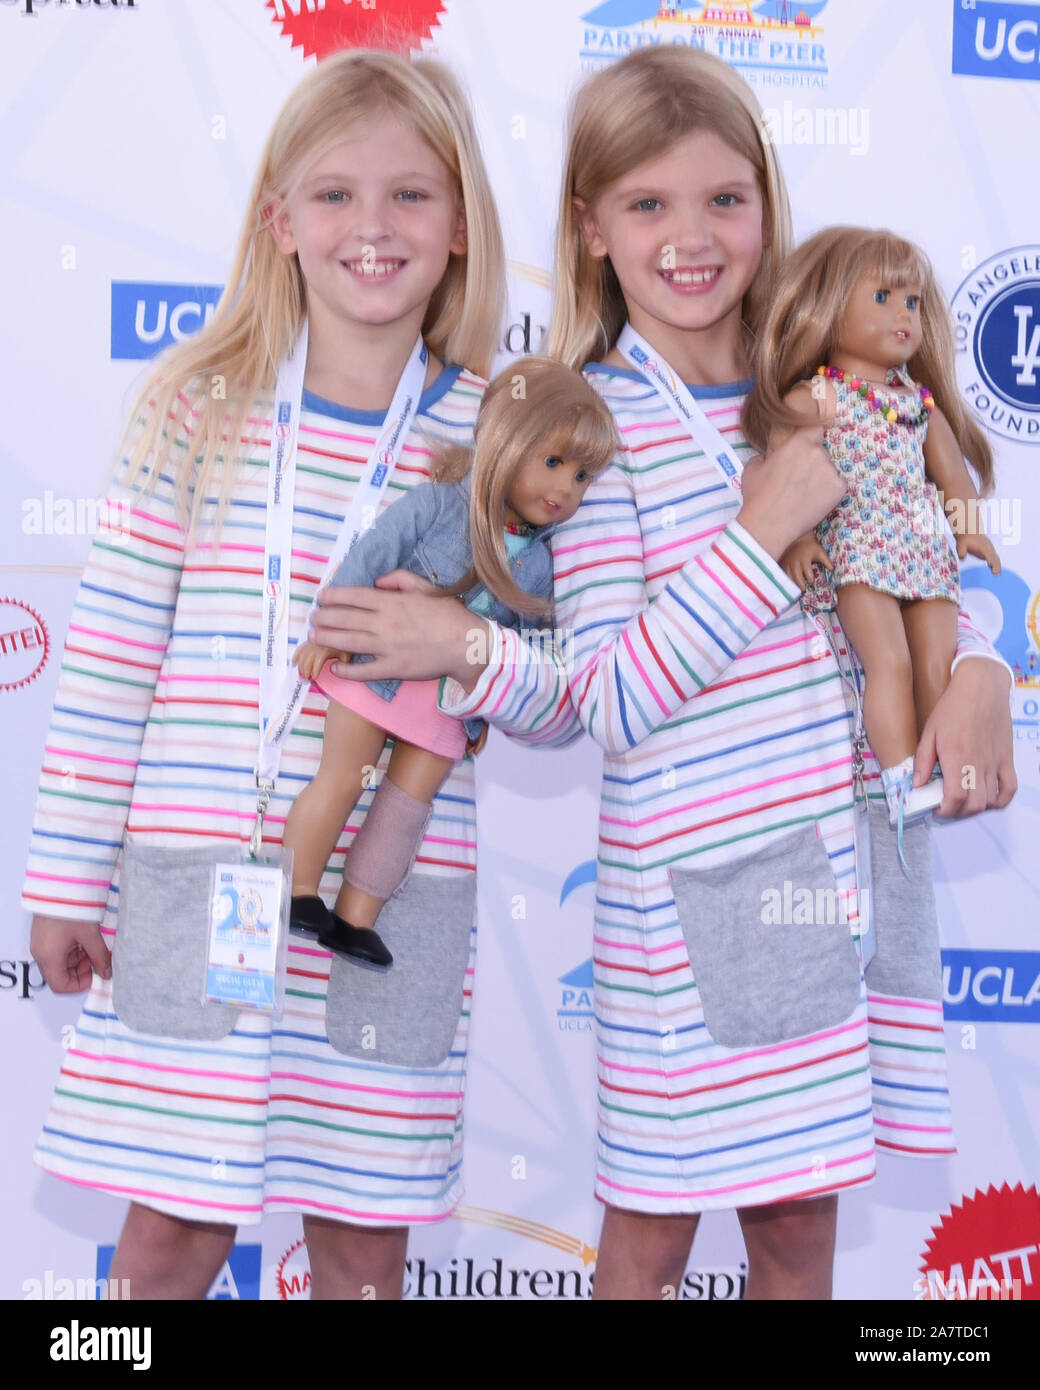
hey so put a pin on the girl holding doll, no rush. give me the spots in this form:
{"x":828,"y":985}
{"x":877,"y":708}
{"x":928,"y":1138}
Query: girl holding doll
{"x":743,"y":1061}
{"x":364,"y":297}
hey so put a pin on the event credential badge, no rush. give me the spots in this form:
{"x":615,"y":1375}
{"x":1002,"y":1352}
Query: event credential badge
{"x":244,"y":935}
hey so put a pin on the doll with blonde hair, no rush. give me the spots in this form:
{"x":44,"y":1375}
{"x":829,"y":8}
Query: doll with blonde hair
{"x":479,"y":529}
{"x":862,"y":310}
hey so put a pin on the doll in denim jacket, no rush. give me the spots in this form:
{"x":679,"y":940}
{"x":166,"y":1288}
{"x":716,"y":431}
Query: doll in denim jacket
{"x":479,"y":530}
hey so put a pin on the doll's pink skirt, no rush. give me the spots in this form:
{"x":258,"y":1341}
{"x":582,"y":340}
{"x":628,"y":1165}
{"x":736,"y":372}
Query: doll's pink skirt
{"x":411,"y":715}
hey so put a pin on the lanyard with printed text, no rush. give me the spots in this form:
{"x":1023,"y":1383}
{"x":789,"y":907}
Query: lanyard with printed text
{"x":676,"y":394}
{"x":281,"y":687}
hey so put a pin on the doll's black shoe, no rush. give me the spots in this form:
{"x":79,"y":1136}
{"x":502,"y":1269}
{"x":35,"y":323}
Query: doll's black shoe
{"x":309,"y":917}
{"x":361,"y":945}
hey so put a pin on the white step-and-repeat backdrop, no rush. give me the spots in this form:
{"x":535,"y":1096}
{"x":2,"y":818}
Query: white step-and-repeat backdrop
{"x":131,"y":130}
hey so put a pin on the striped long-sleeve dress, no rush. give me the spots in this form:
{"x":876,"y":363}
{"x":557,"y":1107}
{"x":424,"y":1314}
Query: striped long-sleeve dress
{"x":154,"y":735}
{"x":741,"y":1058}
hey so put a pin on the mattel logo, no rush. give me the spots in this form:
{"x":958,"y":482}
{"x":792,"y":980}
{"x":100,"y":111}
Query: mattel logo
{"x":148,"y":316}
{"x":994,"y":39}
{"x":991,"y":986}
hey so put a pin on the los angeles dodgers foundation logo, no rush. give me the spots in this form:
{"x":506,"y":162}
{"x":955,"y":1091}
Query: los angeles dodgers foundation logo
{"x":996,"y":313}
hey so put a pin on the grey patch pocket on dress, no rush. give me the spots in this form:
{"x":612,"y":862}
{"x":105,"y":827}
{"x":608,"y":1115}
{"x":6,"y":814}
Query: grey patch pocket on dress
{"x":906,"y":928}
{"x":762,"y":981}
{"x":159,"y":957}
{"x":408,"y":1015}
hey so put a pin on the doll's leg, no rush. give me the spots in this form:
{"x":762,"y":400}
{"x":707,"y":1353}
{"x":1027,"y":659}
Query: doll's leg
{"x":320,"y":812}
{"x":873,"y":624}
{"x":931,"y":633}
{"x":385,"y":846}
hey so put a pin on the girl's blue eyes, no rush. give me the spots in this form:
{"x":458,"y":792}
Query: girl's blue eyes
{"x":338,"y":195}
{"x":717,"y":201}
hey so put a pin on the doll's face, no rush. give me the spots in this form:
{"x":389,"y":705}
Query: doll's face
{"x":882,"y":322}
{"x":548,"y":487}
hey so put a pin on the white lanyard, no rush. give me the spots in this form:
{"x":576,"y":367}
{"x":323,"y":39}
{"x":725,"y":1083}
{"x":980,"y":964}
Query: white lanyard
{"x":281,"y":687}
{"x":678,"y":397}
{"x":677,"y":394}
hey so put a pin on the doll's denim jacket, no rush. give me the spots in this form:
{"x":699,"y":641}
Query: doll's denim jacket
{"x":427,"y":531}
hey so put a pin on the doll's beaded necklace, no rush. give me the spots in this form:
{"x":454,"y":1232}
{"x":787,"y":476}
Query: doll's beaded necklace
{"x":519,"y":528}
{"x":885,"y":408}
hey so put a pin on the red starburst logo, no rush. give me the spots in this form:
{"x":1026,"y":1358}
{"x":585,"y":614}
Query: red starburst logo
{"x":321,"y":27}
{"x":987,"y":1246}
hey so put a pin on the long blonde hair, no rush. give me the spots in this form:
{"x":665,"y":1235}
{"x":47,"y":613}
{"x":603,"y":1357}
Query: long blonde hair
{"x":804,"y":321}
{"x":261,"y":312}
{"x":534,"y":405}
{"x":629,"y":113}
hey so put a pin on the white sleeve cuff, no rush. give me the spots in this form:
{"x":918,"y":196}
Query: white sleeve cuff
{"x":988,"y":656}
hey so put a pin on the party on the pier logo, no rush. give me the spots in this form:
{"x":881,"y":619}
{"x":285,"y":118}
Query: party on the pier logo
{"x":321,"y":27}
{"x":771,"y":42}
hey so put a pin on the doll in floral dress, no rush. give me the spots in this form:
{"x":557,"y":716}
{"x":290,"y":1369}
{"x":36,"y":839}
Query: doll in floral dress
{"x":858,"y":334}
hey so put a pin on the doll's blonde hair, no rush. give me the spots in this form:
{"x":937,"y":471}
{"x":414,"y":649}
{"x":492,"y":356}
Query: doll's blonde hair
{"x":262,"y":309}
{"x":534,"y":406}
{"x":629,"y":113}
{"x":804,"y":320}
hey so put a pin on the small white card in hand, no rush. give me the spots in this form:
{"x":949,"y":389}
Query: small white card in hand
{"x":244,"y":935}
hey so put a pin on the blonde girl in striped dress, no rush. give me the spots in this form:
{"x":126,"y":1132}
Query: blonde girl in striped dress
{"x":371,"y":216}
{"x":736,"y":1068}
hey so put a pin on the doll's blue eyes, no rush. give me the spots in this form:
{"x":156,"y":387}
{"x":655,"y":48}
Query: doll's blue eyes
{"x":911,"y":301}
{"x":551,"y":462}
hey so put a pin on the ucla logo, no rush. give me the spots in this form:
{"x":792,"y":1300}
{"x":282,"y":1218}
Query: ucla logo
{"x":148,"y":317}
{"x":991,"y":986}
{"x":995,"y":39}
{"x":996,"y":313}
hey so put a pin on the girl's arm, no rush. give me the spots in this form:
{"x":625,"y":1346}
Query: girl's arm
{"x":117,"y":637}
{"x":945,"y":467}
{"x":518,"y":682}
{"x":635,"y":664}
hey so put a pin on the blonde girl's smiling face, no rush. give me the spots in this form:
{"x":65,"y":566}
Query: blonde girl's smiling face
{"x":685,"y":234}
{"x":373,"y":222}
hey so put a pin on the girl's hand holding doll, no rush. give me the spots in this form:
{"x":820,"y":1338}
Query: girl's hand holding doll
{"x":786,"y":493}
